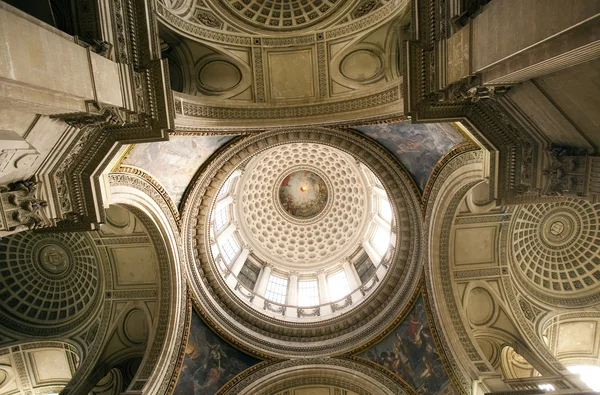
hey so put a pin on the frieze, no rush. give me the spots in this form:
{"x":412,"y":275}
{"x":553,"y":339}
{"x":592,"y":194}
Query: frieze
{"x":259,"y":76}
{"x":388,"y":96}
{"x":477,"y":273}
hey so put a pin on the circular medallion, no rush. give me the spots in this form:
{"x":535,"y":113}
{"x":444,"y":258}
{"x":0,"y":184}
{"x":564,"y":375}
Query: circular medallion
{"x":219,"y":76}
{"x":361,"y":65}
{"x":557,"y":228}
{"x":54,"y":259}
{"x":303,"y":194}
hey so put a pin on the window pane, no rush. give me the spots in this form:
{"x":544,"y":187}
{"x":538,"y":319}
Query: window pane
{"x":589,"y":375}
{"x":277,"y":289}
{"x":338,"y":285}
{"x":308,"y":293}
{"x":230,"y":249}
{"x":381,"y":240}
{"x":364,"y":268}
{"x":221,"y":218}
{"x":249,"y":275}
{"x":225,"y":188}
{"x":385,"y":210}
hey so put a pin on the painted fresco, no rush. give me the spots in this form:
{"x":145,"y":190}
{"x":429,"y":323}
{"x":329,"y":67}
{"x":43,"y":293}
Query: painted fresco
{"x":410,"y":352}
{"x":173,"y":163}
{"x":209,"y":361}
{"x":303,"y":194}
{"x":418,"y":146}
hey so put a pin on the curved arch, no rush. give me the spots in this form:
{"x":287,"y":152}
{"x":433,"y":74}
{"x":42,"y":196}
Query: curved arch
{"x":161,"y":357}
{"x":458,"y":349}
{"x":351,"y":374}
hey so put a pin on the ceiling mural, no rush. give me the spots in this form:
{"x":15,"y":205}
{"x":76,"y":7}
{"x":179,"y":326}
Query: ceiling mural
{"x":209,"y":361}
{"x":410,"y":352}
{"x":418,"y":146}
{"x":173,"y":163}
{"x":303,"y":194}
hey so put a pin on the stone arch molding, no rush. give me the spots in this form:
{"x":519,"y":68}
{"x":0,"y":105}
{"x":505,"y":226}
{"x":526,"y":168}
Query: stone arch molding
{"x":125,"y":309}
{"x":350,"y":374}
{"x":504,"y":313}
{"x":268,"y":337}
{"x":145,"y":197}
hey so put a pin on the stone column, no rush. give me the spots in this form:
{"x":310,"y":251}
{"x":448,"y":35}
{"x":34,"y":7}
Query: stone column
{"x":223,"y":202}
{"x":323,"y":290}
{"x":512,"y":41}
{"x":381,"y":222}
{"x":323,"y":293}
{"x":263,"y":280}
{"x":352,"y":276}
{"x":225,"y":233}
{"x":293,"y":289}
{"x":236,"y":267}
{"x":373,"y":255}
{"x":292,"y":296}
{"x":380,"y":192}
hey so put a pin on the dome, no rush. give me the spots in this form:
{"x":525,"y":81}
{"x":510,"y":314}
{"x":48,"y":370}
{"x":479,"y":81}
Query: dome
{"x":284,"y":15}
{"x":302,"y":232}
{"x":295,"y":233}
{"x":303,"y":229}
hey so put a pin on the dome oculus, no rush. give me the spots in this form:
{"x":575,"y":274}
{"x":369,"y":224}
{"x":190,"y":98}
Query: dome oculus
{"x":303,"y":194}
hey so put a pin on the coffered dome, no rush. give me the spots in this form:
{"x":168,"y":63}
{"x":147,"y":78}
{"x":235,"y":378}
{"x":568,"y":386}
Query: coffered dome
{"x":303,"y":206}
{"x":284,"y":14}
{"x":297,"y":233}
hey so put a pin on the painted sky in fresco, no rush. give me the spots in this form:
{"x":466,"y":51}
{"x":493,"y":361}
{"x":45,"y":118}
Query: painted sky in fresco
{"x":173,"y":163}
{"x":410,"y":352}
{"x":209,"y":361}
{"x":418,"y":146}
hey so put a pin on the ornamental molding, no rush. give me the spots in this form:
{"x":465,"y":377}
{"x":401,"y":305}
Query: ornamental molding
{"x":444,"y":289}
{"x":171,"y":287}
{"x":270,"y":374}
{"x":186,"y":26}
{"x":191,"y":106}
{"x":223,"y":308}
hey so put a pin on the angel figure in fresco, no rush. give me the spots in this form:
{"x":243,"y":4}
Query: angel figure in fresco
{"x":208,"y":375}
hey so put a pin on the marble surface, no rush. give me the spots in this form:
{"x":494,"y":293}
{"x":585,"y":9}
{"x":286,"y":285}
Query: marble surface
{"x":173,"y":163}
{"x":209,"y":361}
{"x":418,"y":146}
{"x":410,"y":352}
